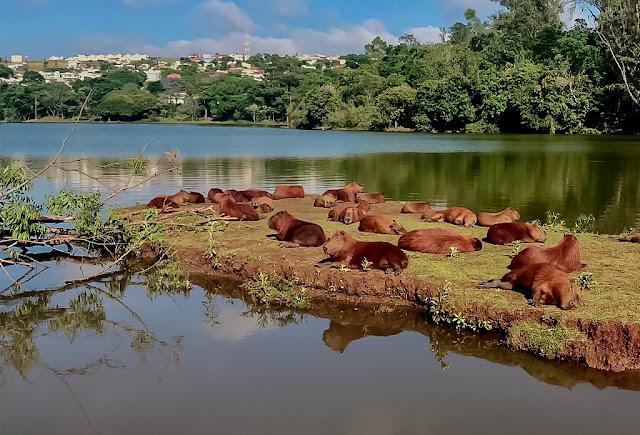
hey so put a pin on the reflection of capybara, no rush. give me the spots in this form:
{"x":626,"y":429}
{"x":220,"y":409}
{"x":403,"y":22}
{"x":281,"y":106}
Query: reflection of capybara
{"x":237,"y":196}
{"x":380,"y":224}
{"x":502,"y":217}
{"x":378,"y":255}
{"x":163,"y":204}
{"x":548,"y":285}
{"x":565,"y":255}
{"x":214,"y":194}
{"x":415,"y":207}
{"x":251,"y":194}
{"x":501,"y":234}
{"x":336,"y":212}
{"x":283,"y":192}
{"x":371,"y":198}
{"x":348,"y":193}
{"x":243,"y":211}
{"x":326,"y":201}
{"x":294,"y":232}
{"x":351,"y":215}
{"x":438,"y":241}
{"x":263,"y":203}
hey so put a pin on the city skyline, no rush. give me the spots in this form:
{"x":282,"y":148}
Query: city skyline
{"x":177,"y":27}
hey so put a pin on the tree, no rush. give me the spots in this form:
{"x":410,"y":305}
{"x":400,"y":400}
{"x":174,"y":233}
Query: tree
{"x":32,"y":77}
{"x":155,"y":88}
{"x":396,"y":104}
{"x":127,"y":104}
{"x":408,"y":39}
{"x":5,"y":72}
{"x":377,"y":49}
{"x":253,"y":110}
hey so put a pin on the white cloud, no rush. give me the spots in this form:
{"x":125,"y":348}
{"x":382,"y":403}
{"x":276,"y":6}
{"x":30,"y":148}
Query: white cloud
{"x":225,"y":15}
{"x":229,"y":43}
{"x":483,"y":8}
{"x":426,"y":35}
{"x":289,"y":8}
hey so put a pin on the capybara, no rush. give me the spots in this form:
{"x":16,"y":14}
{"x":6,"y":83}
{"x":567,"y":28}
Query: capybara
{"x":381,"y":224}
{"x":348,"y":193}
{"x":164,"y":204}
{"x":283,"y":192}
{"x":255,"y":193}
{"x":438,"y":241}
{"x":415,"y":207}
{"x":501,"y":234}
{"x":183,"y":197}
{"x":351,"y":215}
{"x":263,"y":203}
{"x":633,"y":239}
{"x":335,"y":212}
{"x":237,"y":196}
{"x":214,"y":194}
{"x":371,"y":198}
{"x":502,"y":217}
{"x":242,"y":211}
{"x":565,"y":255}
{"x":460,"y":216}
{"x":547,"y":285}
{"x":433,"y":215}
{"x":294,"y":232}
{"x":327,"y":201}
{"x":378,"y":255}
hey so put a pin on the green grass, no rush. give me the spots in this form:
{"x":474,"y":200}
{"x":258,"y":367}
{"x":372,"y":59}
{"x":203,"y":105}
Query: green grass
{"x":546,"y":341}
{"x":267,"y":290}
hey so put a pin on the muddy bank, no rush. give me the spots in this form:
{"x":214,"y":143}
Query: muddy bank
{"x":602,"y":333}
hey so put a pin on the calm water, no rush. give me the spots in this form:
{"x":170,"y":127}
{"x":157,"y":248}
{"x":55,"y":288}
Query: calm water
{"x":569,"y":175}
{"x":118,"y":356}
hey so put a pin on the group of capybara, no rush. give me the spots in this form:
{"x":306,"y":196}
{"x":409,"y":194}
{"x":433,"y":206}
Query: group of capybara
{"x":543,"y":273}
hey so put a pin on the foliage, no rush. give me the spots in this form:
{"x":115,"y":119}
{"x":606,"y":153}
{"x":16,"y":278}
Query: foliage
{"x":547,"y":341}
{"x":17,"y":217}
{"x":266,"y":290}
{"x":586,"y":280}
{"x":439,"y":313}
{"x":168,"y":277}
{"x":554,"y":222}
{"x":585,"y":223}
{"x":85,"y":208}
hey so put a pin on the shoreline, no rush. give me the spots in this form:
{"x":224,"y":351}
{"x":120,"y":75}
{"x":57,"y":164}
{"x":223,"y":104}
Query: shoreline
{"x":602,"y":333}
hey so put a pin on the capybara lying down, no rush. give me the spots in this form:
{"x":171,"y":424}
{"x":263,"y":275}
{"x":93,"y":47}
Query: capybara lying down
{"x":547,"y":285}
{"x":633,"y":239}
{"x":381,"y":224}
{"x":351,"y":215}
{"x":501,"y":234}
{"x":565,"y":256}
{"x":502,"y":217}
{"x":293,"y":232}
{"x":348,"y":193}
{"x":455,"y":215}
{"x":415,"y":207}
{"x":283,"y":192}
{"x":438,"y":241}
{"x":371,"y":197}
{"x":214,"y":194}
{"x":237,"y":196}
{"x":326,"y":201}
{"x":335,"y":213}
{"x":183,"y":197}
{"x":242,"y":211}
{"x":263,"y":203}
{"x":164,"y":204}
{"x":255,"y":193}
{"x":379,"y":255}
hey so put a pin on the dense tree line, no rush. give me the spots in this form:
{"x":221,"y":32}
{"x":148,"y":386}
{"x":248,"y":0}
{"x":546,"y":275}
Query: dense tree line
{"x":522,"y":70}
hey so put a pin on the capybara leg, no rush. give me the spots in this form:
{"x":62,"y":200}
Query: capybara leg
{"x":289,"y":245}
{"x":537,"y":296}
{"x":495,"y":283}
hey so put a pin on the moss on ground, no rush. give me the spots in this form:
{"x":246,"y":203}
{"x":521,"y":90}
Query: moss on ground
{"x":546,"y":341}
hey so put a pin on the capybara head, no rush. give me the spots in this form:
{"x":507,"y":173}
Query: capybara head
{"x":274,"y":221}
{"x":337,"y":244}
{"x":212,"y":194}
{"x":396,"y":228}
{"x":538,"y":233}
{"x":433,"y":216}
{"x":635,"y":239}
{"x":351,"y":215}
{"x":477,"y":244}
{"x":513,"y":214}
{"x":355,"y":187}
{"x":364,"y":206}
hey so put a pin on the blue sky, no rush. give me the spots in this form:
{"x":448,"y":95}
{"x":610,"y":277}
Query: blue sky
{"x":42,"y":28}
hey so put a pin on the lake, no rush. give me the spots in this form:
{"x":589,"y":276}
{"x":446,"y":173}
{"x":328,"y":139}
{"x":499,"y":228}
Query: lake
{"x":119,"y":355}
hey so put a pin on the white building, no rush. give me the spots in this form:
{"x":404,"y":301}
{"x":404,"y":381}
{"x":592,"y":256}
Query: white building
{"x":111,"y":58}
{"x":18,"y":58}
{"x":153,"y":75}
{"x":207,"y":58}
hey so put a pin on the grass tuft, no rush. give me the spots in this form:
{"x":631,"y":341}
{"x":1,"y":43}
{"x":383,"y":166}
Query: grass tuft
{"x":546,"y":341}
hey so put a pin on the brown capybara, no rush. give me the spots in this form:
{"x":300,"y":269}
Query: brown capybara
{"x":237,"y":196}
{"x":213,"y":194}
{"x":501,"y":234}
{"x":163,"y":203}
{"x":232,"y":209}
{"x":251,"y":194}
{"x":263,"y":203}
{"x":381,"y":224}
{"x":633,"y":239}
{"x":438,"y":241}
{"x":351,"y":215}
{"x":326,"y":201}
{"x":505,"y":216}
{"x":378,"y":255}
{"x":183,"y":197}
{"x":348,"y":193}
{"x":283,"y":192}
{"x":460,"y":216}
{"x":415,"y":207}
{"x":335,"y":212}
{"x":433,"y":215}
{"x":293,"y":232}
{"x":565,"y":255}
{"x":371,"y":198}
{"x":547,"y":284}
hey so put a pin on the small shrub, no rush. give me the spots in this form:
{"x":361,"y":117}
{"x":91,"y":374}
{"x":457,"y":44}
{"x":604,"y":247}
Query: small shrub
{"x":454,"y":252}
{"x":554,"y":222}
{"x":366,"y":264}
{"x":515,"y":248}
{"x":265,"y":290}
{"x":585,"y":280}
{"x":585,"y":223}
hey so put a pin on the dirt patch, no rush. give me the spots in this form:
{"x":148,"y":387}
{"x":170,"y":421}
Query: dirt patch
{"x":607,"y":322}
